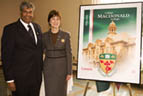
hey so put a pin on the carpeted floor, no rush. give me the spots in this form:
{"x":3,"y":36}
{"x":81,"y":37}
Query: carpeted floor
{"x":80,"y":85}
{"x":3,"y":85}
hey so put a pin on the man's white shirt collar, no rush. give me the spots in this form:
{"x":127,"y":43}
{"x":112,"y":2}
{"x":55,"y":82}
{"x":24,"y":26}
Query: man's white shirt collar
{"x":25,"y":24}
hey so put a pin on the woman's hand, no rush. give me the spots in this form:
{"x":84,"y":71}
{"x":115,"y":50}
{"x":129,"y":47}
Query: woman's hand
{"x":68,"y":77}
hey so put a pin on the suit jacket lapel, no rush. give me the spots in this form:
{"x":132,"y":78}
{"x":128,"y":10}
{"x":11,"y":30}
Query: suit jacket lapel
{"x":23,"y":31}
{"x":21,"y":27}
{"x":58,"y":38}
{"x":50,"y":38}
{"x":37,"y":32}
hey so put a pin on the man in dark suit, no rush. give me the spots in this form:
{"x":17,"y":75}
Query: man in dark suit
{"x":22,"y":54}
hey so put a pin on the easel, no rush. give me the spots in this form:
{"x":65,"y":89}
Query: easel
{"x":128,"y":85}
{"x":130,"y":89}
{"x":86,"y":88}
{"x":114,"y":85}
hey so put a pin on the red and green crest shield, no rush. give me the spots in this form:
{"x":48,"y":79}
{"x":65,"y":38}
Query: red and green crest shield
{"x":107,"y":62}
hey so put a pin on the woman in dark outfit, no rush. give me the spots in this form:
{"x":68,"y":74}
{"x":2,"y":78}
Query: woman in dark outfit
{"x":58,"y":57}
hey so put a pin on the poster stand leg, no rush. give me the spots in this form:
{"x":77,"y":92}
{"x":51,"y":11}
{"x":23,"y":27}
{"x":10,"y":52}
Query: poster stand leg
{"x":114,"y":85}
{"x":128,"y":85}
{"x":130,"y":89}
{"x":86,"y":88}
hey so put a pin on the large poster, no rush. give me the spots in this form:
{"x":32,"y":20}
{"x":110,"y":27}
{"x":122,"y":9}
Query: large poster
{"x":110,"y":42}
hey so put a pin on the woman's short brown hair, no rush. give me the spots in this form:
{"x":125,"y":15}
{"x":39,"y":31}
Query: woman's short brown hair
{"x":52,"y":14}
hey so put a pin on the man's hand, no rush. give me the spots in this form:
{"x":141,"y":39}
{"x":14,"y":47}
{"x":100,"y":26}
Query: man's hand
{"x":68,"y":77}
{"x":12,"y":86}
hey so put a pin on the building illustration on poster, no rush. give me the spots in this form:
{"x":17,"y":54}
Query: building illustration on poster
{"x":109,"y":43}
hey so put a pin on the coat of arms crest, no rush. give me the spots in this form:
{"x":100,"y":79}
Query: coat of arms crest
{"x":107,"y":62}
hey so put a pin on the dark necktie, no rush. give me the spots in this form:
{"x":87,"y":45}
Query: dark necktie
{"x":31,"y":32}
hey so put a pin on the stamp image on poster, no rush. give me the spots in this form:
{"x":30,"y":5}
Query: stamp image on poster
{"x":109,"y":44}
